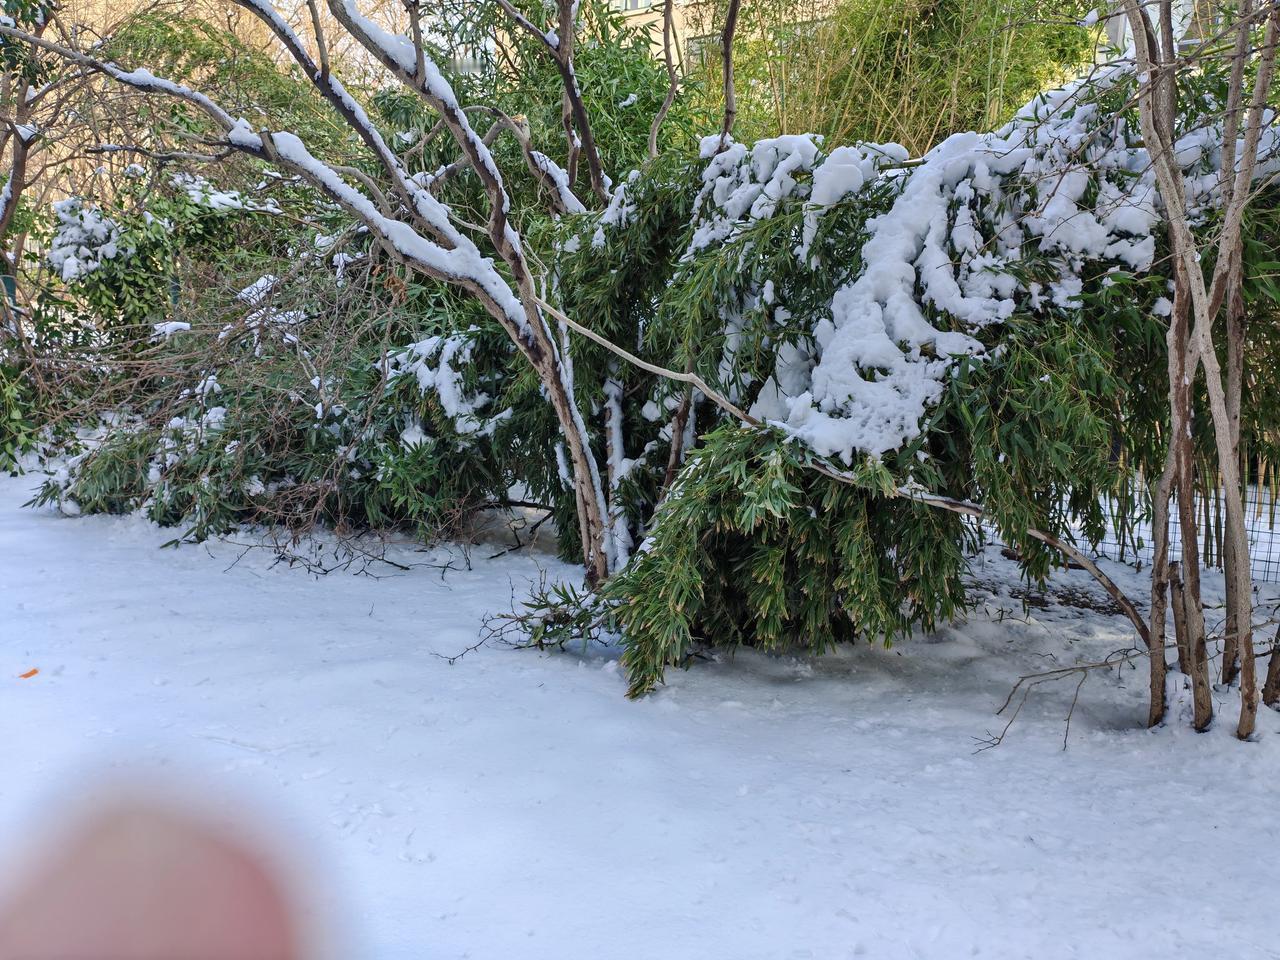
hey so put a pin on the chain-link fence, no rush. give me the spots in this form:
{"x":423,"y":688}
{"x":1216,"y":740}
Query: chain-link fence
{"x":1129,"y":539}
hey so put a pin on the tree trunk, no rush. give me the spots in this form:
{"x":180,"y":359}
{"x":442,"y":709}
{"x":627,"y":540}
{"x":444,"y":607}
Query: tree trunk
{"x":1157,"y":112}
{"x":1192,"y":653}
{"x":1271,"y":691}
{"x":1235,"y":576}
{"x":1179,"y":619}
{"x":673,"y":78}
{"x":1194,"y":645}
{"x":726,"y":53}
{"x":1160,"y":590}
{"x":588,"y":491}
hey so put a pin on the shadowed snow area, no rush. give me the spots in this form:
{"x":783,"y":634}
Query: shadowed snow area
{"x":514,"y":806}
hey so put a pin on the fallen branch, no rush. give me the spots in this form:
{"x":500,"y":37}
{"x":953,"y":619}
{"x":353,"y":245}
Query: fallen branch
{"x":1028,"y":682}
{"x":714,"y":396}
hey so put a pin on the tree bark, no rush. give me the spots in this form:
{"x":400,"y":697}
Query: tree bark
{"x":673,"y":80}
{"x":1157,"y":126}
{"x":1271,"y":690}
{"x":1160,"y":590}
{"x":1232,"y":560}
{"x":726,"y":54}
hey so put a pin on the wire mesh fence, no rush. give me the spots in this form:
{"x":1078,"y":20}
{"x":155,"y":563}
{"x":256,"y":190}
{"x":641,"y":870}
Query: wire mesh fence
{"x":1128,"y":537}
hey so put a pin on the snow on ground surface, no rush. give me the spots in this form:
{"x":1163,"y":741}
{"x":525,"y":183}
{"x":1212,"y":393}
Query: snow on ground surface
{"x":515,"y":806}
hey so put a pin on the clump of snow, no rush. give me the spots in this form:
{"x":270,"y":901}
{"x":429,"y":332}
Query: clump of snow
{"x":742,"y":184}
{"x":619,"y":213}
{"x":263,"y":317}
{"x":84,"y":239}
{"x":844,"y":172}
{"x":203,"y":193}
{"x":437,"y":363}
{"x":164,"y":331}
{"x":258,"y":291}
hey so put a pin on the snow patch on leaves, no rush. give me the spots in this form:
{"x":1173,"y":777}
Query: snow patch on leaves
{"x":85,"y":239}
{"x":1065,"y":182}
{"x":436,"y":363}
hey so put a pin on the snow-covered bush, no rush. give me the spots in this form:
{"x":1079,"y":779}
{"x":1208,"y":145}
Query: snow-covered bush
{"x":420,"y":417}
{"x":289,"y":417}
{"x":985,"y":324}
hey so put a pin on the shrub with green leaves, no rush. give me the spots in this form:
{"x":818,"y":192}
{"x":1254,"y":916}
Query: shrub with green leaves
{"x":254,"y":412}
{"x":18,"y":431}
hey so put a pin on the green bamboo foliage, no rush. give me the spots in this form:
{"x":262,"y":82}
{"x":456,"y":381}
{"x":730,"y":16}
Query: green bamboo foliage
{"x":755,"y":548}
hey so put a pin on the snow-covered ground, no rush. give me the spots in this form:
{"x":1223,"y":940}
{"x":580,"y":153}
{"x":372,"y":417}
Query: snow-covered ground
{"x":514,"y":806}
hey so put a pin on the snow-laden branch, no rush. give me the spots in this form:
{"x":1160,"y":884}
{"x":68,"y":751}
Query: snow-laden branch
{"x":417,"y":72}
{"x":140,"y":79}
{"x":427,"y":211}
{"x":548,"y":37}
{"x":461,"y":263}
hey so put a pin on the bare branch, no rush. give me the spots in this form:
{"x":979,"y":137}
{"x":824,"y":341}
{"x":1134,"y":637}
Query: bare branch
{"x":726,"y":53}
{"x":673,"y":81}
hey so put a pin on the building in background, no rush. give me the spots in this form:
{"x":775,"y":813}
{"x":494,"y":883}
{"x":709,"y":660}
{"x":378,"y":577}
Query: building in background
{"x":693,"y":22}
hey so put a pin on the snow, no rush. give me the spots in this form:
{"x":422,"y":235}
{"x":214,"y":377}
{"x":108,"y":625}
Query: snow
{"x":514,"y":804}
{"x":258,"y":291}
{"x":85,"y":239}
{"x":843,"y":172}
{"x":165,"y":330}
{"x":742,"y":183}
{"x":435,"y":364}
{"x":144,"y":79}
{"x":204,"y":194}
{"x":559,"y":178}
{"x":620,"y":211}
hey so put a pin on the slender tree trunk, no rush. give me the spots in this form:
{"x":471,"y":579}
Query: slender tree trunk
{"x":1236,"y":534}
{"x":1179,"y":618}
{"x":1196,"y":652}
{"x":726,"y":53}
{"x":1192,"y":654}
{"x":1160,"y":590}
{"x":1235,"y":576}
{"x":554,"y":371}
{"x":676,"y":457}
{"x":575,"y":111}
{"x":1271,"y":690}
{"x":673,"y":80}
